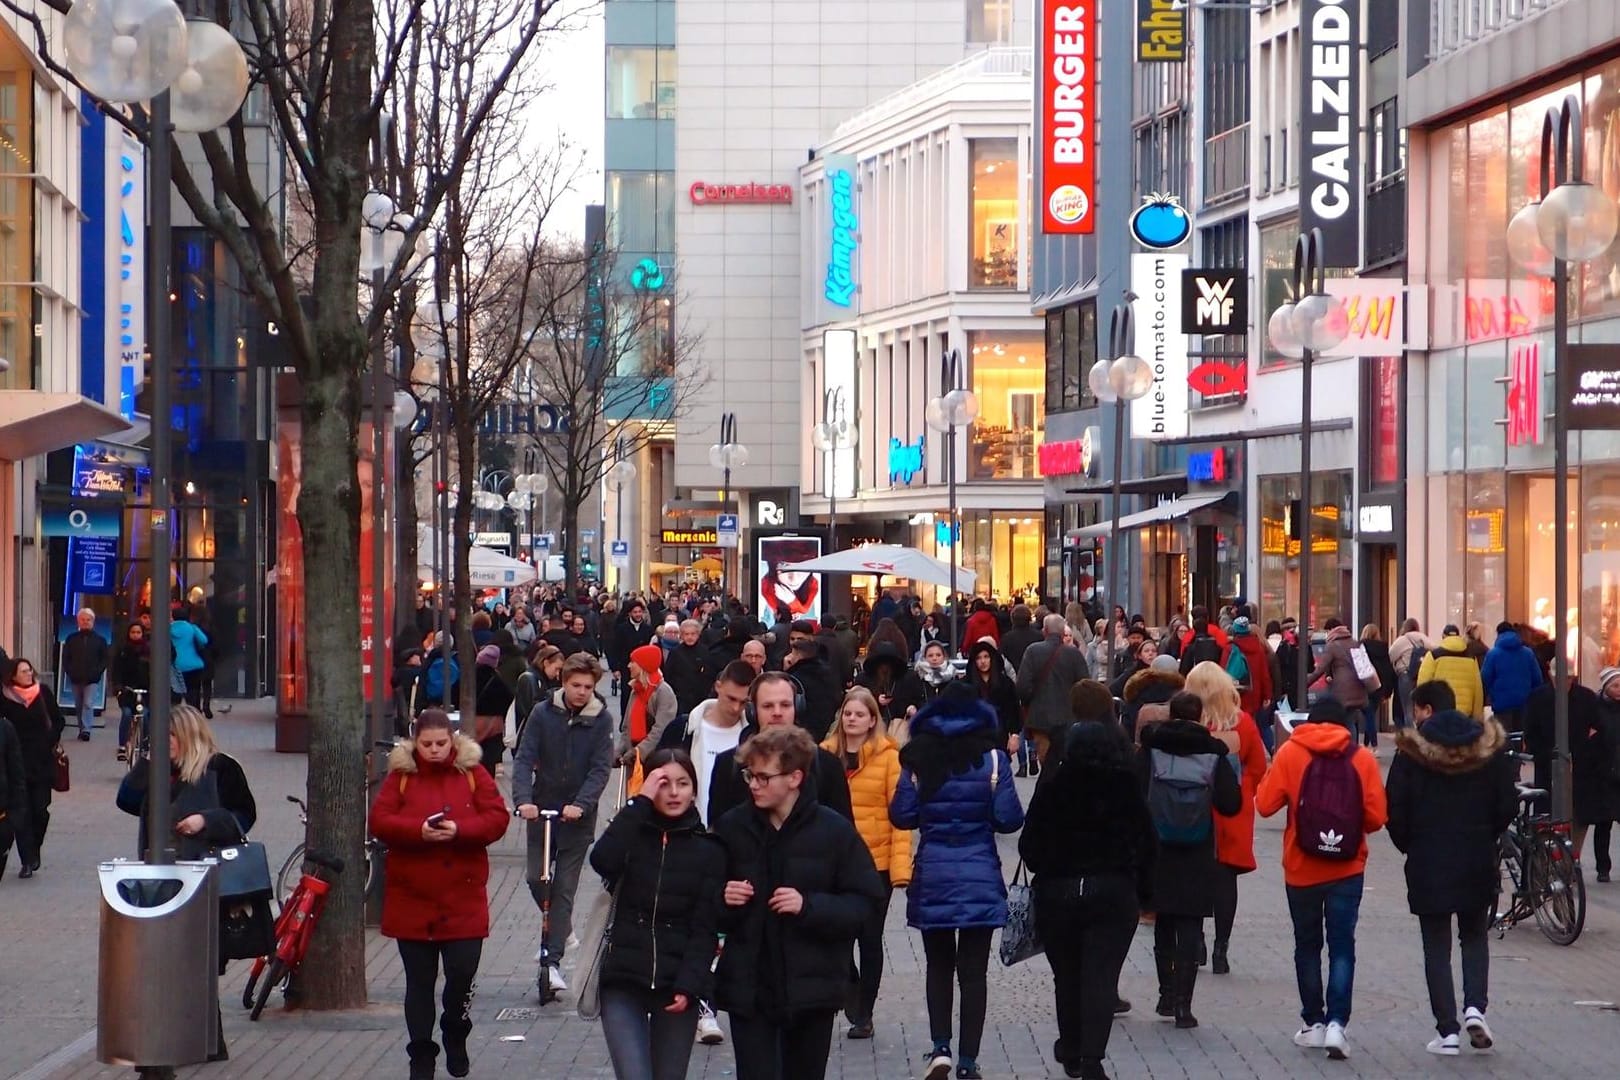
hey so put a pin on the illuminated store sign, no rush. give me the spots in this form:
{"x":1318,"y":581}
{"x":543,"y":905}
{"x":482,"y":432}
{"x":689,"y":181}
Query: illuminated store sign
{"x":905,"y":460}
{"x":696,"y":537}
{"x":1524,"y":396}
{"x":1068,"y":110}
{"x":843,"y":230}
{"x":705,"y":194}
{"x":1071,"y":457}
{"x":1207,"y":467}
{"x":1156,"y":280}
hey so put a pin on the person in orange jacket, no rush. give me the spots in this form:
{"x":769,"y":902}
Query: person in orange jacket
{"x":1328,"y":783}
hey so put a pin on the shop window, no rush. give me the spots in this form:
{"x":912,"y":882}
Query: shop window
{"x":1006,"y":551}
{"x":1071,"y":349}
{"x":1276,"y":281}
{"x":1599,"y":601}
{"x":641,"y":211}
{"x":994,"y":195}
{"x":1332,"y":537}
{"x":1009,"y":381}
{"x":989,"y":22}
{"x":640,"y":83}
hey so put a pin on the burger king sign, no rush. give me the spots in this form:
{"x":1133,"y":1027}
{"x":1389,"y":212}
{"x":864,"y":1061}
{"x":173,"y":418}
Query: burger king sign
{"x":1068,"y":111}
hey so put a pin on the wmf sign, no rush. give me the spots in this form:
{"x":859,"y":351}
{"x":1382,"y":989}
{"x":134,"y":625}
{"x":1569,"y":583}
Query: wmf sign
{"x":1330,"y":74}
{"x":1214,"y":302}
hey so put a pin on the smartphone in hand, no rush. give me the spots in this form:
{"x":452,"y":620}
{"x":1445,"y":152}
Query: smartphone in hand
{"x":435,"y":820}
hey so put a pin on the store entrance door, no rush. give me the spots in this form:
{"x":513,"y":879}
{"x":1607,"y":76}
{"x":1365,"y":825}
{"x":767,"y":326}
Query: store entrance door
{"x":1166,"y":593}
{"x":1382,"y":595}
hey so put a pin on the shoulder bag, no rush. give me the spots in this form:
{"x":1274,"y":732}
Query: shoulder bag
{"x":597,"y":940}
{"x":1020,"y":938}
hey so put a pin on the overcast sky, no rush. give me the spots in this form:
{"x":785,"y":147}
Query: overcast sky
{"x":572,"y":109}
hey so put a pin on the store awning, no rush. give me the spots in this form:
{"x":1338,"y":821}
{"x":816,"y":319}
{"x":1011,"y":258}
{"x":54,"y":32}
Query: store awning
{"x":1170,"y":511}
{"x":34,"y":422}
{"x":1163,"y":484}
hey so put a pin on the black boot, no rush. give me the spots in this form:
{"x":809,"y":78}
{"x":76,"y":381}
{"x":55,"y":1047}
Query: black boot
{"x":1086,"y":1069}
{"x":423,"y":1055}
{"x":1185,"y":980}
{"x":1217,"y":960}
{"x":1166,"y":965}
{"x":1203,"y":950}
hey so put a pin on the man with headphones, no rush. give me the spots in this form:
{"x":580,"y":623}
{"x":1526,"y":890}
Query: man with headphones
{"x":776,"y":700}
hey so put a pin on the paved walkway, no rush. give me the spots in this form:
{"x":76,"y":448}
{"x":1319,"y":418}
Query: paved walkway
{"x":1541,"y":1001}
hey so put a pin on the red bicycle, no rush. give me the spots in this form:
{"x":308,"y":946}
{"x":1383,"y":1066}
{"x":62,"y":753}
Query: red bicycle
{"x":294,"y":929}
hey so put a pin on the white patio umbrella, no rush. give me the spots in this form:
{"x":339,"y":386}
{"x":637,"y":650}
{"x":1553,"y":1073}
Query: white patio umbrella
{"x":888,"y":560}
{"x":487,"y":568}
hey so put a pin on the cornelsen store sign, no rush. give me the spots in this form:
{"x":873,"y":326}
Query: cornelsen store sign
{"x":1331,"y":112}
{"x":703,"y":193}
{"x":1068,"y":112}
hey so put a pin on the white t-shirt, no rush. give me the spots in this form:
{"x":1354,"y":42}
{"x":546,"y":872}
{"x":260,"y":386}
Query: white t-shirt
{"x":710,"y":742}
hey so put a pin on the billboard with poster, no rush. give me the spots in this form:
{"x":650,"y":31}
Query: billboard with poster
{"x":797,"y":594}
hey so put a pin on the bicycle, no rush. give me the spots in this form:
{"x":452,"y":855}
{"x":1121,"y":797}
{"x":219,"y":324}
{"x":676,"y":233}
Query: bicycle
{"x":137,"y":748}
{"x":295,"y":926}
{"x":1538,"y":875}
{"x":288,"y":876}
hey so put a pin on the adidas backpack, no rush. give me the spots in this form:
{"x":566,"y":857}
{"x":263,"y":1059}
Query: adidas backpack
{"x":1180,"y":798}
{"x":1328,"y":814}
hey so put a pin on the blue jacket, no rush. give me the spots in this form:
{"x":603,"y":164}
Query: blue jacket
{"x":188,"y":639}
{"x":956,"y":876}
{"x":1510,"y":672}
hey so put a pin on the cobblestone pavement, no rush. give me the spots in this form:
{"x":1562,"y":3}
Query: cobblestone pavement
{"x":1542,"y":1010}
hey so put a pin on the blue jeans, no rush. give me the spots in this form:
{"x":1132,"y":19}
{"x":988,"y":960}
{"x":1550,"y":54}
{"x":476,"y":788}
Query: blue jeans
{"x":1334,"y":906}
{"x":84,"y":714}
{"x":126,"y":719}
{"x":645,"y":1042}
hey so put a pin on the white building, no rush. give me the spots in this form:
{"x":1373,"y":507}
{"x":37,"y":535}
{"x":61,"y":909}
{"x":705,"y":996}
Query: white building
{"x":937,"y":179}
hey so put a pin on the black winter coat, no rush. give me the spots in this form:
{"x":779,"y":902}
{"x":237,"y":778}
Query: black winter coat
{"x":39,"y":731}
{"x":1184,"y":875}
{"x":132,"y":670}
{"x":1001,"y":695}
{"x":13,"y":782}
{"x":1015,"y":642}
{"x":1091,"y":817}
{"x":1594,"y":742}
{"x":1378,"y":653}
{"x":221,"y":795}
{"x":882,"y":672}
{"x":823,"y":691}
{"x":1451,"y":795}
{"x":777,"y":966}
{"x":727,"y":790}
{"x":691,"y":674}
{"x":667,"y":877}
{"x":85,"y":655}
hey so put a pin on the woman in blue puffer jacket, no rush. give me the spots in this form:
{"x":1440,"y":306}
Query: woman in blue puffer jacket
{"x":956,"y":787}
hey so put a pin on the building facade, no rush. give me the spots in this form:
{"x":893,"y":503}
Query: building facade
{"x":936,"y":177}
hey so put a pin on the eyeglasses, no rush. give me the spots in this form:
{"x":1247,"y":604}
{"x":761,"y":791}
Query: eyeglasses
{"x":759,"y":778}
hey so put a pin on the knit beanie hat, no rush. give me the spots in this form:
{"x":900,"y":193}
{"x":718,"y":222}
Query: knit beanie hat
{"x":1166,"y":663}
{"x":1607,"y":676}
{"x":1240,"y":625}
{"x":648,"y":658}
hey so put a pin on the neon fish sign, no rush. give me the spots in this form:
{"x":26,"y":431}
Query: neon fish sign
{"x":840,"y":286}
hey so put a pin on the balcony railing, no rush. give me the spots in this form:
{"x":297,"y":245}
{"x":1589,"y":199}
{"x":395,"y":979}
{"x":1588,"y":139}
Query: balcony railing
{"x":1014,"y":61}
{"x":1226,"y":165}
{"x":1456,"y":24}
{"x":1386,"y":219}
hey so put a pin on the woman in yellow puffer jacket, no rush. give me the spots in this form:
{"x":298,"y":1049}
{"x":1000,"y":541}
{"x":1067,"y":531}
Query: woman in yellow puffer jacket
{"x":872,"y":763}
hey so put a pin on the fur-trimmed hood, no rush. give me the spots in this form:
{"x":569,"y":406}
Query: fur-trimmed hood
{"x":1451,"y":742}
{"x":1168,"y":681}
{"x":402,"y":758}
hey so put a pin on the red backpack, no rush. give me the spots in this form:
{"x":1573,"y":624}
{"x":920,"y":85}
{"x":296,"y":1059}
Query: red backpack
{"x":1328,"y":816}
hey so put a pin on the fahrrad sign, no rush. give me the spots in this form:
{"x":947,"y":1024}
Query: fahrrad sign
{"x":1068,"y":112}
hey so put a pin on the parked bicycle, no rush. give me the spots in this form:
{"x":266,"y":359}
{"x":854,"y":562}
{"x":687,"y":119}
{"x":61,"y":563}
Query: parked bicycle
{"x":287,"y":877}
{"x":138,"y":746}
{"x":1538,"y":875}
{"x":294,"y":929}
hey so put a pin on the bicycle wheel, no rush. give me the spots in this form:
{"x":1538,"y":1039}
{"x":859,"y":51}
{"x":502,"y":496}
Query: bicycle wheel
{"x":291,"y":873}
{"x":1561,"y":892}
{"x":253,"y":980}
{"x":1509,"y":873}
{"x":272,"y":979}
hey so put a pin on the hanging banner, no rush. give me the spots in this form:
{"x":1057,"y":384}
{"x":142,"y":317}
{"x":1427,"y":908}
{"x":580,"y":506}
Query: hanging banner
{"x":1156,"y":280}
{"x":1161,"y":31}
{"x":1330,"y":119}
{"x":1068,"y":111}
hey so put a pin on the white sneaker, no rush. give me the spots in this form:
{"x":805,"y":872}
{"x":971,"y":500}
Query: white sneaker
{"x":939,"y":1067}
{"x":1479,"y":1032}
{"x":1310,"y":1036}
{"x":1333,"y":1042}
{"x":555,"y":975}
{"x":708,"y":1030}
{"x":1444,"y":1045}
{"x":572,"y":943}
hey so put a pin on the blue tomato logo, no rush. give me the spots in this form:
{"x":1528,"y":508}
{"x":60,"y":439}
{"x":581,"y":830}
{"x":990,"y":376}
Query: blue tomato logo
{"x":1160,"y":222}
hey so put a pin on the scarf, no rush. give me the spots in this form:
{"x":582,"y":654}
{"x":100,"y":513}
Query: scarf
{"x":640,"y":699}
{"x":933,"y":758}
{"x":935,"y":676}
{"x":26,"y":694}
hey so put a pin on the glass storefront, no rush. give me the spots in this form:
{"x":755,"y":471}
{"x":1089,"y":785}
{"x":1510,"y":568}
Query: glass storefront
{"x":994,"y":227}
{"x":17,"y":172}
{"x":1009,"y":378}
{"x":1332,"y":547}
{"x":1005,"y":549}
{"x":640,"y":83}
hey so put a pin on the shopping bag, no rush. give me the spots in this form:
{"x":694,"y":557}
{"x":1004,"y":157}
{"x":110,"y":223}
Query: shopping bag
{"x":1020,"y":938}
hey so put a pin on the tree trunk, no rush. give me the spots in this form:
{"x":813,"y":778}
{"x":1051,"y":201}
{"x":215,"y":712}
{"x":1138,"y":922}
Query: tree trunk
{"x":328,"y":512}
{"x":569,"y":537}
{"x":407,"y":523}
{"x":466,"y":433}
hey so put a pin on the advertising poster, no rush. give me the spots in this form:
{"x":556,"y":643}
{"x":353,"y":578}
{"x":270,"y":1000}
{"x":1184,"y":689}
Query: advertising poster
{"x":786,"y":593}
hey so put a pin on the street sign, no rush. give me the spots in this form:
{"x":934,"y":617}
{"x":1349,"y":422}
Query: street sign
{"x":543,"y":542}
{"x":620,"y":554}
{"x":587,"y":536}
{"x":727,"y":532}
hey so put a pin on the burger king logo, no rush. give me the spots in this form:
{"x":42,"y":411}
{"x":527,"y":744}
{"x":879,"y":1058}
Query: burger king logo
{"x":1068,"y":204}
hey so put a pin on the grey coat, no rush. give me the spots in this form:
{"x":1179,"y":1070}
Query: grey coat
{"x":1044,"y":681}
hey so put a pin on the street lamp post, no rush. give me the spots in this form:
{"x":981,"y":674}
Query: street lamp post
{"x":835,"y":432}
{"x":956,"y":406}
{"x":1315,"y":322}
{"x":620,"y":476}
{"x":725,"y":455}
{"x":1570,"y":222}
{"x":1125,"y":378}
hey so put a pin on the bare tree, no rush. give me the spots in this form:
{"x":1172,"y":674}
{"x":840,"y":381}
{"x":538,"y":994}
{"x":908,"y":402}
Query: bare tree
{"x":324,"y":70}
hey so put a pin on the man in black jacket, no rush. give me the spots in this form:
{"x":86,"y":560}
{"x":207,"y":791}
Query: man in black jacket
{"x":823,"y":690}
{"x":772,"y":697}
{"x":562,"y":763}
{"x":689,"y":670}
{"x":1019,"y":636}
{"x":84,"y":661}
{"x":800,"y":884}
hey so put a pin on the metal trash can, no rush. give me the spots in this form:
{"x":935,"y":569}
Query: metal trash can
{"x":157,"y":992}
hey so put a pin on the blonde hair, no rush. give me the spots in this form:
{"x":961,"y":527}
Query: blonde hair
{"x":1219,"y":693}
{"x":835,"y":736}
{"x":1369,"y":632}
{"x":196,"y":739}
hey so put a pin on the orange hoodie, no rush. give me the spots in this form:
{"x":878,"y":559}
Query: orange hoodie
{"x":1281,"y":788}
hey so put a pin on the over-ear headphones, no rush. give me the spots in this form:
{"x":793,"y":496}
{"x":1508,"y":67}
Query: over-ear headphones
{"x":799,"y":708}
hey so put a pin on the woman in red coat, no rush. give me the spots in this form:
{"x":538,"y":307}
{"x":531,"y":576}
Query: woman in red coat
{"x":437,"y":812}
{"x":1234,"y":836}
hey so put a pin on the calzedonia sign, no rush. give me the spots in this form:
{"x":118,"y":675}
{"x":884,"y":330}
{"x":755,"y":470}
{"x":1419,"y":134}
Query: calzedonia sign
{"x":1068,"y":116}
{"x":1330,"y":73}
{"x":703,"y":193}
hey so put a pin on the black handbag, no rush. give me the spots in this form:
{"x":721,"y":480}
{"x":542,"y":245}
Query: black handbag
{"x":247,"y":930}
{"x":243,"y":871}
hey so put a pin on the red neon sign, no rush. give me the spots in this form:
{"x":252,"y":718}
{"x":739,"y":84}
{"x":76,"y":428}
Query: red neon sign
{"x":1068,"y":116}
{"x":705,"y":194}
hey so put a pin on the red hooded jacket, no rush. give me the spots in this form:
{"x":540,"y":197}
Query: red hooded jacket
{"x":435,"y":891}
{"x":1258,"y":657}
{"x":981,"y":624}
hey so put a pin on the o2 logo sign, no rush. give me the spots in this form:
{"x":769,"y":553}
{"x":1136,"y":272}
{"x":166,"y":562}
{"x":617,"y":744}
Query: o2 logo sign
{"x":1160,"y":222}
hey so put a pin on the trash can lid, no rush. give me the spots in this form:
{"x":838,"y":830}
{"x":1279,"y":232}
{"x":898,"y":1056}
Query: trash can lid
{"x":140,"y":890}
